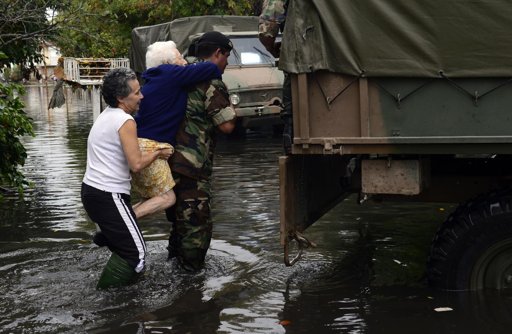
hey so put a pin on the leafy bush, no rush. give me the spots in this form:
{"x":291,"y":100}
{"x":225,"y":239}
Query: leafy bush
{"x":14,"y":123}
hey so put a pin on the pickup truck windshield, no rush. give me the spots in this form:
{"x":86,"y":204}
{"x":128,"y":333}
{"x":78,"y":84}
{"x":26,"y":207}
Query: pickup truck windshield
{"x":249,"y":51}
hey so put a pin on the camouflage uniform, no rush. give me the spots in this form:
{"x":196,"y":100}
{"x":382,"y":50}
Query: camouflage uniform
{"x":272,"y":17}
{"x":271,"y":21}
{"x":208,"y":106}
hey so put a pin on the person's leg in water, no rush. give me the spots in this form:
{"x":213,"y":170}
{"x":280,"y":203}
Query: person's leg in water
{"x":99,"y":238}
{"x":170,"y":213}
{"x":154,"y":204}
{"x":287,"y":115}
{"x":191,"y":229}
{"x":119,"y":230}
{"x":142,"y":209}
{"x":127,"y":261}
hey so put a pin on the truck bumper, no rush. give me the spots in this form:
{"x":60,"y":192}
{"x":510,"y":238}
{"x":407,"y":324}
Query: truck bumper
{"x":259,"y":116}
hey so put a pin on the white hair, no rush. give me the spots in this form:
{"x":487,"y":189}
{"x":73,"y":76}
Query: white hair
{"x":160,"y":53}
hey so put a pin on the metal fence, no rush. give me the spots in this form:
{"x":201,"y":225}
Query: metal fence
{"x":90,"y":71}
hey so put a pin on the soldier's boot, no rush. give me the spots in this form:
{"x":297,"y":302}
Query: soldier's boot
{"x":191,"y":259}
{"x":170,"y":213}
{"x":174,"y":239}
{"x":173,"y":246}
{"x":117,"y":272}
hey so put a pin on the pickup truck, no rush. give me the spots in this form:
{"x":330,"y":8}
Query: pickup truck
{"x":410,"y":101}
{"x":252,"y":76}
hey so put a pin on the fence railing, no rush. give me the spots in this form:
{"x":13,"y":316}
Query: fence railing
{"x":90,"y":71}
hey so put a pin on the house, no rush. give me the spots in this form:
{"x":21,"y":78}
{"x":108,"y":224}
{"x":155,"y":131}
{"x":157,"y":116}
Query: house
{"x":51,"y":54}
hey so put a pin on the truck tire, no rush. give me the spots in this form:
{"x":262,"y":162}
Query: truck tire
{"x":472,"y":250}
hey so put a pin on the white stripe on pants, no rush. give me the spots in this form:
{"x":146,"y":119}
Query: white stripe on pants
{"x":131,"y":225}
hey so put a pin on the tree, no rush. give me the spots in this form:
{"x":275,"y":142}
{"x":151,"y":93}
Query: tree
{"x":14,"y":123}
{"x":23,"y":24}
{"x":105,"y":26}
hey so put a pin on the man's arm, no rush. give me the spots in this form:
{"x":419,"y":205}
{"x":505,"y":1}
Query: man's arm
{"x":272,"y":17}
{"x":219,"y":107}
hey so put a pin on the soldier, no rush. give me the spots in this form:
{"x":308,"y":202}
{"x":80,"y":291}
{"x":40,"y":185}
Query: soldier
{"x":208,"y":110}
{"x":272,"y":20}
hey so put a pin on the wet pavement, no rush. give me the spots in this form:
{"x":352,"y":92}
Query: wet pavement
{"x":365,"y":276}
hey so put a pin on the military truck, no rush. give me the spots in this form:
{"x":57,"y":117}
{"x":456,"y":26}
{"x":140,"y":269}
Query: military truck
{"x":252,"y":76}
{"x":410,"y":101}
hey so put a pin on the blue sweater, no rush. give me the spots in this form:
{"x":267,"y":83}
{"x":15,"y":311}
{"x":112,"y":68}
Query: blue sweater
{"x":165,"y":92}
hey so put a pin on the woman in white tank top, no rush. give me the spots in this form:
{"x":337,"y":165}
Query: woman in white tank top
{"x":112,"y":152}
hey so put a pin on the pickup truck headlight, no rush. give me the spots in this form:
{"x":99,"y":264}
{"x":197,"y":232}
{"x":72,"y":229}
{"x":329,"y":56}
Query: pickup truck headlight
{"x":235,"y":99}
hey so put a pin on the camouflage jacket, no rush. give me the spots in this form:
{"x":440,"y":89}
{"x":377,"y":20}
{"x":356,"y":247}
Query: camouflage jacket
{"x":272,"y":18}
{"x":208,"y":106}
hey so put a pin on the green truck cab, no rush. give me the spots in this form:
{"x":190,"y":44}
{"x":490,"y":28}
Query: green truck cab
{"x":253,"y":79}
{"x":408,"y":101}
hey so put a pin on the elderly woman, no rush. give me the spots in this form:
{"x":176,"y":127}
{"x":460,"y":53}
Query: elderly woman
{"x":112,"y":151}
{"x":166,"y":83}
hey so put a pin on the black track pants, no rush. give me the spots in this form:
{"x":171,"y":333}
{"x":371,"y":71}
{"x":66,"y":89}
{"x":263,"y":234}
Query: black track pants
{"x":114,"y":215}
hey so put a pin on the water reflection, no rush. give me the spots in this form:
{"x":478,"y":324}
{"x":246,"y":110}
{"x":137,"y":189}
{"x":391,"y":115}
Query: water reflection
{"x":365,"y":276}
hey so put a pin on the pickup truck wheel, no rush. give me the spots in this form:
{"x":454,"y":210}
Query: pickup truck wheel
{"x":473,"y":249}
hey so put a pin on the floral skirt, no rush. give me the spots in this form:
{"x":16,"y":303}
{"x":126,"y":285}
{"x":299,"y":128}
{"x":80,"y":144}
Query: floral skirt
{"x":155,"y":179}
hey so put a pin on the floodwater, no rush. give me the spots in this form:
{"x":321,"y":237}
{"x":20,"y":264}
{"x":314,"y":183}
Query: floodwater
{"x":366,"y":274}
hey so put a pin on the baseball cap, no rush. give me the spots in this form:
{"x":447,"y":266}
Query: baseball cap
{"x":215,"y":38}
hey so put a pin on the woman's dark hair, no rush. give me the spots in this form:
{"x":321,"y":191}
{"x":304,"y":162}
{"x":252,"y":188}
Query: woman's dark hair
{"x":116,"y":84}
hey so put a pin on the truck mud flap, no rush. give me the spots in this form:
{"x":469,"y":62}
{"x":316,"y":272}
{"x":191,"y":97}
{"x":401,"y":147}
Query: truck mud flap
{"x":309,"y":187}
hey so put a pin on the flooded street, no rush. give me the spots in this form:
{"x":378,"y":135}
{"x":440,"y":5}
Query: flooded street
{"x":365,"y":276}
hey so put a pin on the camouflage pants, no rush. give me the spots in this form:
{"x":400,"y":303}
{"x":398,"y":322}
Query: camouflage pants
{"x":191,"y":227}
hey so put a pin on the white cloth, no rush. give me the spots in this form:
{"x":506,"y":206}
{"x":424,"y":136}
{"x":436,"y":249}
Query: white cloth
{"x":107,"y":167}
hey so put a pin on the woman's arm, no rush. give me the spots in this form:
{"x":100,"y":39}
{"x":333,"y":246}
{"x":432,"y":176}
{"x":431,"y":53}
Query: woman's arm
{"x":137,"y":159}
{"x":195,"y":73}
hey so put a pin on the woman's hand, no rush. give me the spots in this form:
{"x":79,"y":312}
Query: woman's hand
{"x":165,"y":153}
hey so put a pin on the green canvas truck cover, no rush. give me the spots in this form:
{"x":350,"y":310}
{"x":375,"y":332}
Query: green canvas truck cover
{"x":399,"y":38}
{"x":179,"y":31}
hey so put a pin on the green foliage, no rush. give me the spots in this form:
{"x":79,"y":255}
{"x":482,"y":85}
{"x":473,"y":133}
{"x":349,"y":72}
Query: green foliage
{"x":23,"y":25}
{"x":103,"y":28}
{"x":185,"y":8}
{"x":14,"y":123}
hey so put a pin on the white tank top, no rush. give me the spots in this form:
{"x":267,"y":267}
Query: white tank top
{"x":107,"y":167}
